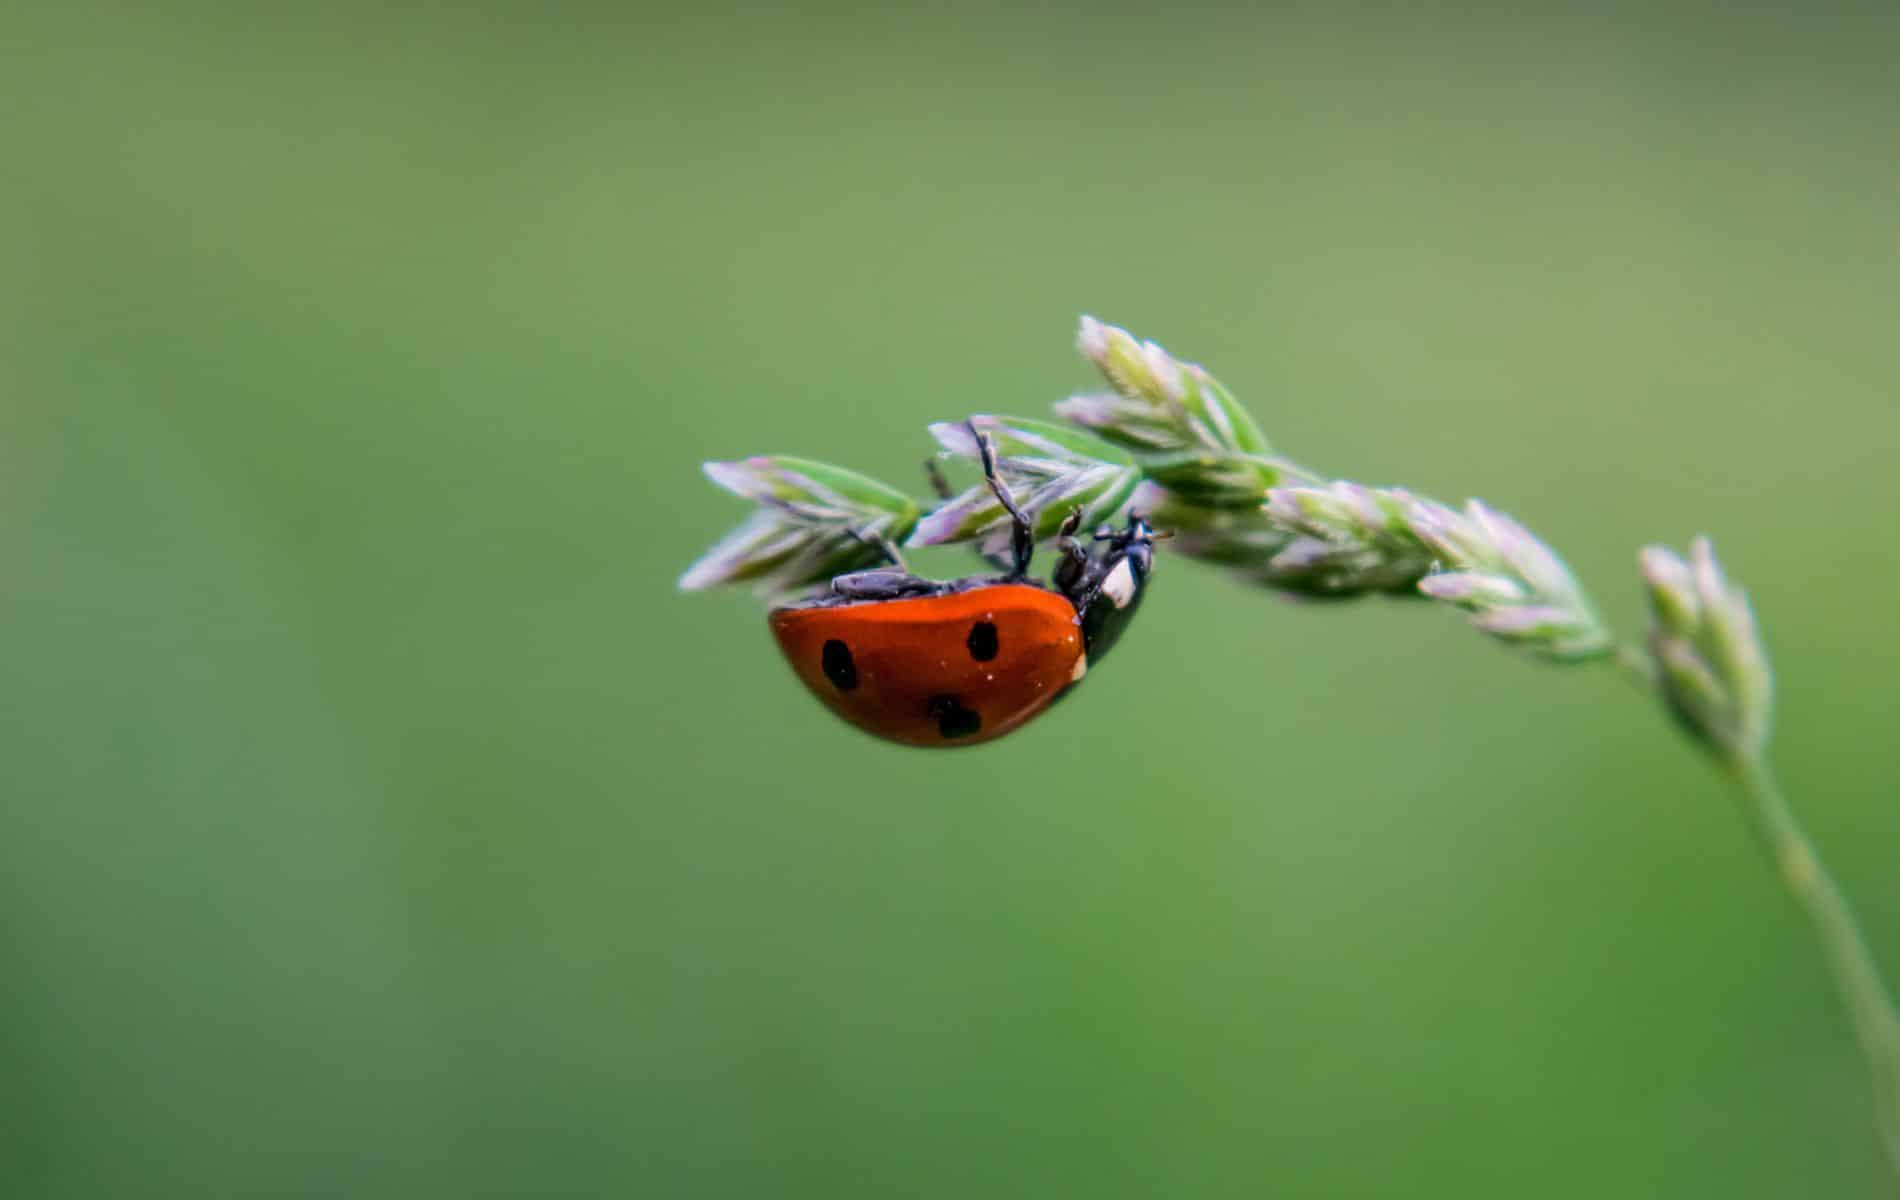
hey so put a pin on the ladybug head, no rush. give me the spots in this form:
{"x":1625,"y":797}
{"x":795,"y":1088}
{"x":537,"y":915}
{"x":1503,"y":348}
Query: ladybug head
{"x":1108,"y":589}
{"x":1136,"y":543}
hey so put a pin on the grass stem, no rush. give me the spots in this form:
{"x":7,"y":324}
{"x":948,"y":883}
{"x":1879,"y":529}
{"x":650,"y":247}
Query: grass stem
{"x":1869,"y":1004}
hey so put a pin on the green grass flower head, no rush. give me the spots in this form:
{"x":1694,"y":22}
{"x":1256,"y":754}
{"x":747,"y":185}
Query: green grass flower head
{"x":1708,"y":652}
{"x":814,"y":521}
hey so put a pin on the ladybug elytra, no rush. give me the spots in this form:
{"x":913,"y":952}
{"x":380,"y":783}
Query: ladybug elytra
{"x":958,"y":663}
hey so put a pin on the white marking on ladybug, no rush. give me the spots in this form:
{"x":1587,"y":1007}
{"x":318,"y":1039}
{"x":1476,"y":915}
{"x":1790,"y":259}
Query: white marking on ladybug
{"x":1081,"y":669}
{"x":1119,"y":587}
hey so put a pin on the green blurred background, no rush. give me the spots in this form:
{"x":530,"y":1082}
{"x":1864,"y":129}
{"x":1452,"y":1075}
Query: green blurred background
{"x":378,"y":820}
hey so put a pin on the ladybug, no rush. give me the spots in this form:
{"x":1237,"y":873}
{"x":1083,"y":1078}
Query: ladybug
{"x":958,"y":663}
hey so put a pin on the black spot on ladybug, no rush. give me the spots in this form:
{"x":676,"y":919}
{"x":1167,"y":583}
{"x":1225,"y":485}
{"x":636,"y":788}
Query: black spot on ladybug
{"x":983,"y":645}
{"x":839,"y":668}
{"x":953,"y":720}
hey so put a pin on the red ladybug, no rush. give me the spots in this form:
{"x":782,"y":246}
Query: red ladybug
{"x":925,"y":663}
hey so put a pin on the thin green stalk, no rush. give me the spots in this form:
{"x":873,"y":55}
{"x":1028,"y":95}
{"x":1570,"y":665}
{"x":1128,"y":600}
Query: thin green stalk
{"x":1869,"y":1004}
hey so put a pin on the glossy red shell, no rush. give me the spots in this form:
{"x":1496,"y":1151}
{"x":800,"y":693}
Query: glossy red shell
{"x":911,"y":671}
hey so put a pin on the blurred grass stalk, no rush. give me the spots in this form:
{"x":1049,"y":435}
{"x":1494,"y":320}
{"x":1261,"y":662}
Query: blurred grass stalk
{"x":1713,"y":672}
{"x":1171,"y":441}
{"x":1869,"y":1003}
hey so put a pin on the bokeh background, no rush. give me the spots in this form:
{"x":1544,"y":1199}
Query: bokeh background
{"x":377,"y":820}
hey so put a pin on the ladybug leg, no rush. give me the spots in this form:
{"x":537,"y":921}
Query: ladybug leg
{"x":941,"y":487}
{"x":938,"y":483}
{"x":1022,"y":537}
{"x":1071,"y":573}
{"x":881,"y":585}
{"x":882,"y":543}
{"x":1065,"y":536}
